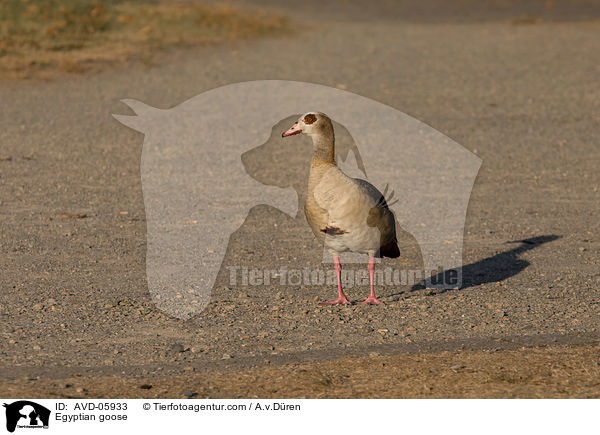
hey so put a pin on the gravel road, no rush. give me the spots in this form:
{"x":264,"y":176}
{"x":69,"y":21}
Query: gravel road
{"x":516,"y":85}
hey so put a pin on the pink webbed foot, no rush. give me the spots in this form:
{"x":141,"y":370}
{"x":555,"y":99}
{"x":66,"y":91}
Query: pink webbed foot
{"x":342,"y":300}
{"x":370,"y":301}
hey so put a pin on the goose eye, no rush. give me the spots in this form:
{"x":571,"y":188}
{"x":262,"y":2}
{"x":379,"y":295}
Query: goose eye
{"x":310,"y":118}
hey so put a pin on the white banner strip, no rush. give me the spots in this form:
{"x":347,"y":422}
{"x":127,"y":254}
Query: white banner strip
{"x":268,"y":416}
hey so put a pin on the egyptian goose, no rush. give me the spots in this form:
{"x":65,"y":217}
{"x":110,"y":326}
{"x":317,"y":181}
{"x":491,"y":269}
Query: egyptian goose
{"x":345,"y":214}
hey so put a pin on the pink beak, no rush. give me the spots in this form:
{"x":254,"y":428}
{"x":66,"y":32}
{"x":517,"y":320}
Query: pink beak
{"x":294,"y":129}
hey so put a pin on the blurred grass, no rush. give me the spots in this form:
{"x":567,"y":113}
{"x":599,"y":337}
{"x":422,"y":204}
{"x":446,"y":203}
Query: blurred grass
{"x":38,"y":37}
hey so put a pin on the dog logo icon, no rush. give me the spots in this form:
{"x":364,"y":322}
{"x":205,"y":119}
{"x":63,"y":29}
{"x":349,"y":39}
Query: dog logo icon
{"x":26,"y":414}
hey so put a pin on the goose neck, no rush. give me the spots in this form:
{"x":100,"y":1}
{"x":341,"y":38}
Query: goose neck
{"x":324,"y":148}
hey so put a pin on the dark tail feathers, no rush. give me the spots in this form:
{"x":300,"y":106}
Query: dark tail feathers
{"x":390,"y":250}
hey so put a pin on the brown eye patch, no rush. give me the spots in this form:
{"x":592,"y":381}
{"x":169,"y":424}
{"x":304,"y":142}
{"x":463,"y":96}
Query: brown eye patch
{"x":310,"y":118}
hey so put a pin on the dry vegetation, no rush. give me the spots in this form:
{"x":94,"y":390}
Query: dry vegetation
{"x":42,"y":37}
{"x":539,"y":372}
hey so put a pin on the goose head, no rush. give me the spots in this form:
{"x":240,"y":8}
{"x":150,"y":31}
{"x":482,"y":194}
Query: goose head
{"x":311,"y":124}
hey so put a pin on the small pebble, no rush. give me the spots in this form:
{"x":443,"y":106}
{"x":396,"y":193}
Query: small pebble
{"x":177,"y":347}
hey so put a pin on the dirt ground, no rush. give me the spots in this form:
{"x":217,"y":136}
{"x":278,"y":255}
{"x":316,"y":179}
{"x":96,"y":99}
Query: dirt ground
{"x":516,"y":84}
{"x":539,"y":372}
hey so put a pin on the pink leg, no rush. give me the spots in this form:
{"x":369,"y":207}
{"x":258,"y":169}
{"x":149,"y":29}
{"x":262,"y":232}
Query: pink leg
{"x":371,"y":299}
{"x":342,"y":299}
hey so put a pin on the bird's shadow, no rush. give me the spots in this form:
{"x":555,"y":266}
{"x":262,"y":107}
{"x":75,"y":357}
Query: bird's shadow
{"x":492,"y":269}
